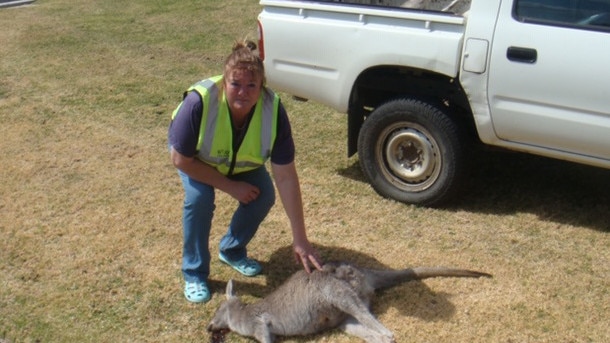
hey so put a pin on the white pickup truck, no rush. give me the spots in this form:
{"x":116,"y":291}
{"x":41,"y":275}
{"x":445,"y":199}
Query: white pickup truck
{"x":420,"y":85}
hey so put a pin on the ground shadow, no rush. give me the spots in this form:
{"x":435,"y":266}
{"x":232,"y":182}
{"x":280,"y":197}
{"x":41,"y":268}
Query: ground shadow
{"x":506,"y":183}
{"x":424,"y":303}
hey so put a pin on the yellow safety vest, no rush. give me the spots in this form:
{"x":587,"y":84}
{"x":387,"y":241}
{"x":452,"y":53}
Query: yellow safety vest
{"x":215,"y":143}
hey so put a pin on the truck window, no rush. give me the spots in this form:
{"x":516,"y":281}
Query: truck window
{"x":582,"y":14}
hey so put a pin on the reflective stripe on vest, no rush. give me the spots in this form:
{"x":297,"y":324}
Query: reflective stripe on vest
{"x":215,"y":143}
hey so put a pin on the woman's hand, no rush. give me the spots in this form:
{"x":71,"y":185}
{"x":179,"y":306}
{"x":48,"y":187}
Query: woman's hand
{"x":243,"y":192}
{"x":305,"y":254}
{"x":194,"y":168}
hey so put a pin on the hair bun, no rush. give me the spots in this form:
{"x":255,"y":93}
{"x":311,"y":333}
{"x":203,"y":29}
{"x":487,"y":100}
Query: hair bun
{"x":251,"y":45}
{"x":246,"y":44}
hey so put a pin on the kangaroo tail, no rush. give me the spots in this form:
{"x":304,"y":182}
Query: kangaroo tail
{"x":380,"y":279}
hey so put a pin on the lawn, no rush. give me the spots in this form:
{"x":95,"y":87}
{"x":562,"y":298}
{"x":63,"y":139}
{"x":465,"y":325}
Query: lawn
{"x":90,"y":204}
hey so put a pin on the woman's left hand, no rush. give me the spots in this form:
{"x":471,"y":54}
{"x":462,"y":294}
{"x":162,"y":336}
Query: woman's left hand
{"x":305,"y":254}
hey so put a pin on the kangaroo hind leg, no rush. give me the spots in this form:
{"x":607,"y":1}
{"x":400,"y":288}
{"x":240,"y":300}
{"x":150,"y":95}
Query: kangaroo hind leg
{"x":345,"y":298}
{"x":353,"y":327}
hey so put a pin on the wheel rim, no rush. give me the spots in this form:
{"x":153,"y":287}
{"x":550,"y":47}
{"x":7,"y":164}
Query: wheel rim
{"x":410,"y":155}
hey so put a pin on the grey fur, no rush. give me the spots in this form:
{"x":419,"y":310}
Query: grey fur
{"x":337,"y":296}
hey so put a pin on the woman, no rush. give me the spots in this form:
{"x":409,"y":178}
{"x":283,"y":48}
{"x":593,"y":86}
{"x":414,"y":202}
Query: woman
{"x":220,"y":137}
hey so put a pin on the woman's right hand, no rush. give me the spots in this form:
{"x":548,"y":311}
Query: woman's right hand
{"x":244,"y":192}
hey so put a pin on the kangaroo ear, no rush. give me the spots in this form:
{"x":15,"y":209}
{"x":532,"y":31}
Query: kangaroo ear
{"x":229,"y":290}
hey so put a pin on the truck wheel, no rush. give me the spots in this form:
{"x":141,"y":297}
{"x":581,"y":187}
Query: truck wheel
{"x":412,"y":152}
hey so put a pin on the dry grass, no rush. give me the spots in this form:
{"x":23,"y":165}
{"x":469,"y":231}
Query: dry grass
{"x":90,"y":206}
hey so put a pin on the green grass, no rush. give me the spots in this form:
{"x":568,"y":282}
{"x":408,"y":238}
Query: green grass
{"x":90,"y":204}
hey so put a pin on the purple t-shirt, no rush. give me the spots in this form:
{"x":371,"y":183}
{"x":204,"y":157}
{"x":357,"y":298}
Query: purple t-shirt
{"x":184,"y":131}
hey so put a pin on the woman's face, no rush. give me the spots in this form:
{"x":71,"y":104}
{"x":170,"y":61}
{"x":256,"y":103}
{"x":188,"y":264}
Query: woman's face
{"x":242,"y":88}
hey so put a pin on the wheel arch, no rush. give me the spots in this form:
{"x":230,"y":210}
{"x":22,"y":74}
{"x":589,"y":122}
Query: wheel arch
{"x":380,"y":84}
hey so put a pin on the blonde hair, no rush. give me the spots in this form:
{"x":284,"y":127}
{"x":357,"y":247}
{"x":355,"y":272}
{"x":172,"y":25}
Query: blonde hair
{"x":244,"y":57}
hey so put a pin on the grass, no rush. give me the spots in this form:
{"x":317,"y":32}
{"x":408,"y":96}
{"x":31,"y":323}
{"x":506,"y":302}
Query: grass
{"x":90,"y":205}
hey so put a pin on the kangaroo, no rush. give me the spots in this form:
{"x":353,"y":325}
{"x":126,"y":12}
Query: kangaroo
{"x":339,"y":295}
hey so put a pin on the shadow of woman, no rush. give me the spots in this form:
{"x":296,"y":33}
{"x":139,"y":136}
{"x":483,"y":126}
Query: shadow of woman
{"x":414,"y":299}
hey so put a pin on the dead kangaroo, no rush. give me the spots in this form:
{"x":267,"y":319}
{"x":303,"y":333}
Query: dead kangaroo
{"x":337,"y":296}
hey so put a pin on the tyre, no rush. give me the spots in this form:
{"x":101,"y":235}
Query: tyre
{"x":412,"y":152}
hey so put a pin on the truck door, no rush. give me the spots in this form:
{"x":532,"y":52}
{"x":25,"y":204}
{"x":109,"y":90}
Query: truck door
{"x":549,"y":75}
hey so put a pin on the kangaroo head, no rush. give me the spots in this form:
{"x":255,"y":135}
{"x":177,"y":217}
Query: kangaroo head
{"x":222,"y":319}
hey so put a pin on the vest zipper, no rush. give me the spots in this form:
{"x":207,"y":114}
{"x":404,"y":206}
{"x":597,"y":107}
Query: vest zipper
{"x":237,"y":141}
{"x":233,"y":161}
{"x":238,"y":138}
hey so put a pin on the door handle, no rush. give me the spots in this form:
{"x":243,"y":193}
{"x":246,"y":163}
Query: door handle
{"x":523,"y":55}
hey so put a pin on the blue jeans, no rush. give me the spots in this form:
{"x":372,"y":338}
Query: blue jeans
{"x":197,"y":222}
